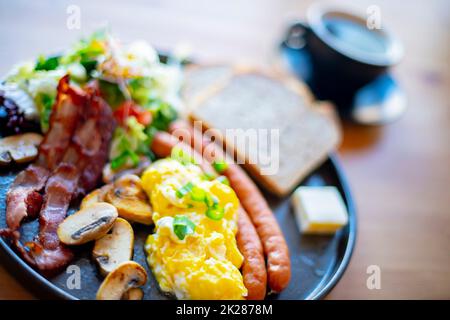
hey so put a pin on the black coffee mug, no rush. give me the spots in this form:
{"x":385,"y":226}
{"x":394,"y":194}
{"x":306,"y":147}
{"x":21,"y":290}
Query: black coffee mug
{"x":345,"y":54}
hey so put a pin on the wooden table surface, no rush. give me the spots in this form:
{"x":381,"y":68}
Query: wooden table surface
{"x":399,"y":173}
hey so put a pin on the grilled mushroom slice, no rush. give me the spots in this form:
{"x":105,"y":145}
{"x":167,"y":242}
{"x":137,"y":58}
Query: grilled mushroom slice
{"x":115,"y":247}
{"x":20,"y":148}
{"x":109,"y":175}
{"x":126,"y":276}
{"x":130,"y":199}
{"x":5,"y":157}
{"x":87,"y":224}
{"x":133,"y":294}
{"x":96,"y":196}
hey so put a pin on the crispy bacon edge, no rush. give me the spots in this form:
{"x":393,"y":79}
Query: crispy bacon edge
{"x":86,"y":134}
{"x":63,"y":122}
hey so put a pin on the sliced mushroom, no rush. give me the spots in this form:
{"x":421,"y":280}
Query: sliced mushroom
{"x":20,"y":148}
{"x":5,"y":157}
{"x":87,"y":224}
{"x":126,"y":276}
{"x":96,"y":196}
{"x":115,"y":247}
{"x":109,"y":175}
{"x":24,"y":153}
{"x":133,"y":294}
{"x":130,"y":199}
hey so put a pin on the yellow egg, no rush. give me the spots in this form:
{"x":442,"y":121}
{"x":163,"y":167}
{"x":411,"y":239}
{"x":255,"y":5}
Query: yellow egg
{"x":205,"y":263}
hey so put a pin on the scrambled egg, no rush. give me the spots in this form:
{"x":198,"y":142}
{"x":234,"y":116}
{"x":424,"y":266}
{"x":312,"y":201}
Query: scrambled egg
{"x":204,"y":261}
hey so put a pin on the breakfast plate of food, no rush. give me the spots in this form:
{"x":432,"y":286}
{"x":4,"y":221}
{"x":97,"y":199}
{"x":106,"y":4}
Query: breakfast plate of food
{"x":129,"y":175}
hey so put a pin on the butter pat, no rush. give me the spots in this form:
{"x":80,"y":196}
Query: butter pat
{"x":319,"y":210}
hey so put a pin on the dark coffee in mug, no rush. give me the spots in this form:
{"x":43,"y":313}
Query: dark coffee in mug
{"x":356,"y":35}
{"x":345,"y":54}
{"x":347,"y":34}
{"x":342,"y":56}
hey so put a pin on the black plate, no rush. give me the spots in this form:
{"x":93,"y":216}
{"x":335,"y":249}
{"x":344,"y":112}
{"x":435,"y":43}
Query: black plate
{"x":318,"y":262}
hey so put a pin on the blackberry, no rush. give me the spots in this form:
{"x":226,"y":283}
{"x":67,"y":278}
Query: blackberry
{"x":12,"y":119}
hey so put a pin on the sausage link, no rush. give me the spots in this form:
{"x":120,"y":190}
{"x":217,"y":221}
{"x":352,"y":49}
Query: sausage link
{"x":275,"y":247}
{"x":163,"y":143}
{"x":254,"y":266}
{"x":274,"y":244}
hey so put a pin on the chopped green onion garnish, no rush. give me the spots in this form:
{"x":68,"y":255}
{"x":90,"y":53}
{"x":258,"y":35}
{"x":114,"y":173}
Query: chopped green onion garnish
{"x":184,"y":190}
{"x":210,"y":201}
{"x":182,"y":226}
{"x":198,"y":194}
{"x":220,"y":166}
{"x":181,"y":156}
{"x":215,"y":212}
{"x":223,"y":180}
{"x":208,"y":176}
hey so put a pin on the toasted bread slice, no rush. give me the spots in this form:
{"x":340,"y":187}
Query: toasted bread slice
{"x":261,"y":105}
{"x":200,"y":80}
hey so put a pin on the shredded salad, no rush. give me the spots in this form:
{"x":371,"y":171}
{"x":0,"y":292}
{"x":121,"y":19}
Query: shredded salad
{"x":142,"y":91}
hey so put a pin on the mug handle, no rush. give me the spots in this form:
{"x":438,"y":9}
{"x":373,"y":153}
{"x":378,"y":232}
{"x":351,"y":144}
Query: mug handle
{"x":296,"y":35}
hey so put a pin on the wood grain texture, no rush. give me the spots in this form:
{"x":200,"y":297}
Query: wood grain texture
{"x":399,"y":174}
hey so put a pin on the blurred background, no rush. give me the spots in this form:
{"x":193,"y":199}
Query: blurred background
{"x":399,"y":173}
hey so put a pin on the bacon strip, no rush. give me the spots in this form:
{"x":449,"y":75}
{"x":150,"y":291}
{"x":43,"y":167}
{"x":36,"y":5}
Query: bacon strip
{"x":23,"y":199}
{"x":47,"y":253}
{"x":63,"y":121}
{"x":104,"y":127}
{"x":75,"y":148}
{"x":86,"y":154}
